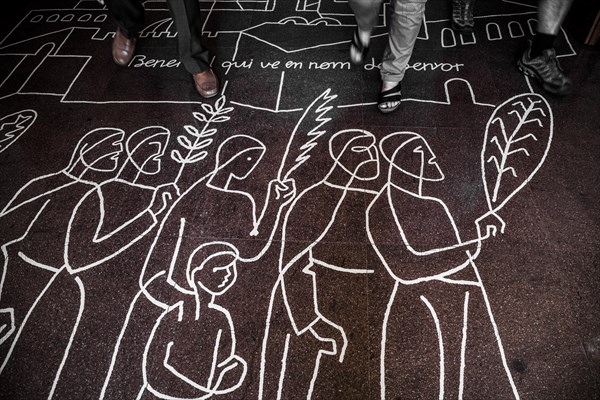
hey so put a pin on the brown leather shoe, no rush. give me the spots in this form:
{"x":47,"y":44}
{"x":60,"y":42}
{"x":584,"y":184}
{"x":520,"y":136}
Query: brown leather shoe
{"x":123,"y":48}
{"x":206,"y":83}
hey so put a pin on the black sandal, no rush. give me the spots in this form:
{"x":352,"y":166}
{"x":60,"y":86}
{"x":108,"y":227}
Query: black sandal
{"x":359,"y":47}
{"x":389,"y":96}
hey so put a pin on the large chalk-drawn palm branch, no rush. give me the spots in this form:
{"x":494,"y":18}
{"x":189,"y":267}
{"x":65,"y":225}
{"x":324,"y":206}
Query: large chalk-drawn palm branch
{"x":517,"y":140}
{"x":305,"y":135}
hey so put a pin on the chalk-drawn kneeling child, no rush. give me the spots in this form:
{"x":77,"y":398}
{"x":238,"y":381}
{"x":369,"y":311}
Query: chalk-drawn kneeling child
{"x":191,"y":351}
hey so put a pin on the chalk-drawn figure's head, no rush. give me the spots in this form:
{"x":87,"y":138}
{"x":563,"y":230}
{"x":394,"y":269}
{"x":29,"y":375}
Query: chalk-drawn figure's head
{"x":212,"y":267}
{"x":145,"y":147}
{"x":355,"y":152}
{"x":238,"y":156}
{"x":409,"y":154}
{"x":99,"y":150}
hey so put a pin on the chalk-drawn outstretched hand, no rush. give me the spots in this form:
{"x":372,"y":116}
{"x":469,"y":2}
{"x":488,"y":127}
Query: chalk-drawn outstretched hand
{"x":7,"y":324}
{"x":283,"y":191}
{"x":489,"y":224}
{"x":332,"y":335}
{"x":164,"y":196}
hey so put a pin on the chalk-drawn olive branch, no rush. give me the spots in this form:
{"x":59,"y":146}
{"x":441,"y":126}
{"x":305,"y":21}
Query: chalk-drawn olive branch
{"x":196,"y":141}
{"x":506,"y":142}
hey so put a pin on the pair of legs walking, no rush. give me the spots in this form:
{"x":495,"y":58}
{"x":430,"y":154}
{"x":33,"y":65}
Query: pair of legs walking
{"x":404,"y":26}
{"x":129,"y":15}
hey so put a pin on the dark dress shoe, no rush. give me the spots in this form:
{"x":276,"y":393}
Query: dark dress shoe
{"x":206,"y":83}
{"x":123,"y":48}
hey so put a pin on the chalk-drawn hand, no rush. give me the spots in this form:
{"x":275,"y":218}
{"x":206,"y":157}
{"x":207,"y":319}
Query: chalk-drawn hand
{"x":284,"y":191}
{"x":7,"y":324}
{"x":232,"y":372}
{"x":489,"y":224}
{"x":164,"y":196}
{"x":331,"y":334}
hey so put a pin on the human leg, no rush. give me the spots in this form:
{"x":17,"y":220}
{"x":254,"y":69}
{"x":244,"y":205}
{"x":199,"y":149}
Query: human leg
{"x":539,"y":60}
{"x":405,"y":23}
{"x":193,"y":55}
{"x":462,"y":16}
{"x":129,"y":15}
{"x":366,"y":13}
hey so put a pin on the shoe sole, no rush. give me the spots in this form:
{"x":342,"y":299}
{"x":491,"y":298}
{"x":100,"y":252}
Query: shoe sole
{"x":525,"y":70}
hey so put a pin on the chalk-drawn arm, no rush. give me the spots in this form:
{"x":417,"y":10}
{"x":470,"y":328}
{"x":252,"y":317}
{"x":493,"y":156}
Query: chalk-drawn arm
{"x":17,"y":222}
{"x":279,"y":194}
{"x":87,"y":245}
{"x":299,"y":296}
{"x":414,"y":262}
{"x":224,"y":376}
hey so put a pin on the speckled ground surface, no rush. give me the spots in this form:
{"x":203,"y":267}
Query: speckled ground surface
{"x":285,"y":239}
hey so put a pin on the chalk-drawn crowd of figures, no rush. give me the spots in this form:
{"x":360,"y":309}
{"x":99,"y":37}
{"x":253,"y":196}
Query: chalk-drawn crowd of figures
{"x":66,"y":239}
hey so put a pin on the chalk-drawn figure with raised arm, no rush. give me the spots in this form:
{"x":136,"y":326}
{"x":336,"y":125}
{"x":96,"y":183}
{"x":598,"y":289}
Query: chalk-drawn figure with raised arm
{"x":107,"y":220}
{"x":315,"y":244}
{"x":191,"y":352}
{"x":219,"y":205}
{"x":39,"y":213}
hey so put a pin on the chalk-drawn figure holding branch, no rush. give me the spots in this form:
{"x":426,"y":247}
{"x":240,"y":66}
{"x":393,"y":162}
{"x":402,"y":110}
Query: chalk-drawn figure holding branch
{"x":311,"y":229}
{"x":436,"y":260}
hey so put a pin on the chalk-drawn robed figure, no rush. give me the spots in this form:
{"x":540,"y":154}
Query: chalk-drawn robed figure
{"x":310,"y":227}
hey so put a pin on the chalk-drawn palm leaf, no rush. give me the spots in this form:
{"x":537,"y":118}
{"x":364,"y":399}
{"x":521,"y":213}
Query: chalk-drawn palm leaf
{"x":14,"y":125}
{"x":517,"y":140}
{"x":306,"y":134}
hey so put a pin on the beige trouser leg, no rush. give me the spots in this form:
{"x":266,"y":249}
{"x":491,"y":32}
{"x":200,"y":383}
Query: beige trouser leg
{"x":405,"y":23}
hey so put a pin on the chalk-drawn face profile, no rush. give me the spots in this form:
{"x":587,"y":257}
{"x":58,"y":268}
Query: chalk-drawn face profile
{"x":213,"y":267}
{"x":146,"y":147}
{"x":239,"y":155}
{"x":355,"y":152}
{"x":101,"y":149}
{"x":410,"y":154}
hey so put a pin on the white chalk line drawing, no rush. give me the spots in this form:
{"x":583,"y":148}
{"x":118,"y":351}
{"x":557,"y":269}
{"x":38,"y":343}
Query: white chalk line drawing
{"x":341,"y":179}
{"x":303,"y":139}
{"x":13,"y":126}
{"x":103,"y":147}
{"x":533,"y":128}
{"x":218,"y":368}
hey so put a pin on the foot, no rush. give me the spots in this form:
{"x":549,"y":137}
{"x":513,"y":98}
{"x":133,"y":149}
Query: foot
{"x":546,"y":69}
{"x":462,"y":16}
{"x":123,"y":48}
{"x":390,"y":96}
{"x":206,"y":83}
{"x":359,"y":46}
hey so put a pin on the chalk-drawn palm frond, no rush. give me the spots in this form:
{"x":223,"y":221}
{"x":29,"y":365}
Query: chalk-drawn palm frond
{"x":14,"y":125}
{"x":195,"y":141}
{"x":306,"y":134}
{"x":517,"y":139}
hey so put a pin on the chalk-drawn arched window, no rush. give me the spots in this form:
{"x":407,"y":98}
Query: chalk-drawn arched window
{"x":515,"y":29}
{"x":448,"y":38}
{"x":67,"y":18}
{"x":467,"y":38}
{"x":100,"y":18}
{"x":532,"y":23}
{"x":85,"y":18}
{"x":36,"y":19}
{"x":493,"y":31}
{"x":53,"y":18}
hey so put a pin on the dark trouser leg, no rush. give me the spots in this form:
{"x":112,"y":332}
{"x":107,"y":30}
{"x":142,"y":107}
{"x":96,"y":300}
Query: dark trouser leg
{"x":129,"y":15}
{"x":186,"y":15}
